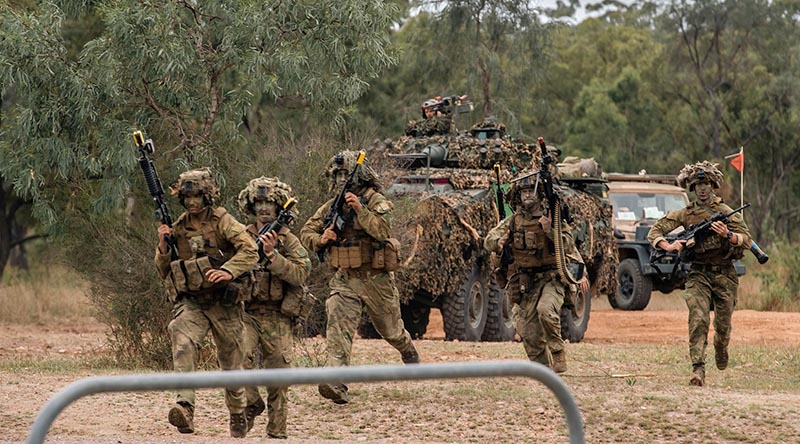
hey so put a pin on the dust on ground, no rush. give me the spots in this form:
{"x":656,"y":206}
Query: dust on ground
{"x":653,"y":404}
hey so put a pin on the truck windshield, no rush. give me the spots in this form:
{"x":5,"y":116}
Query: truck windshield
{"x":638,"y":206}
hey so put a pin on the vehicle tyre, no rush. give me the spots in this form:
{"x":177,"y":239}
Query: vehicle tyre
{"x":499,"y":325}
{"x":464,"y":311}
{"x":633,"y":287}
{"x":415,"y":318}
{"x":574,"y":325}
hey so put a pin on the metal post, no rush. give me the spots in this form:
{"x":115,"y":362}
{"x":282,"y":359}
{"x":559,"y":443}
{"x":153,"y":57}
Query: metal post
{"x":295,"y":376}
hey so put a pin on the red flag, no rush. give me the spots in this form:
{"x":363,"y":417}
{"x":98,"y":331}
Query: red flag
{"x":738,"y":162}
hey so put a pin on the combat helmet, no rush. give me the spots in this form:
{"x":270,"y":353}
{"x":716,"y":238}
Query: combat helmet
{"x":270,"y":189}
{"x":691,"y":175}
{"x":197,"y":181}
{"x":346,"y":160}
{"x":429,"y":103}
{"x":525,"y":181}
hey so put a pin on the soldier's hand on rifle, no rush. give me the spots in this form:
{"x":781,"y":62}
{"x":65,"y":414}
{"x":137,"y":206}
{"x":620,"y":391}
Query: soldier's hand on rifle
{"x":584,"y":283}
{"x":676,"y":246}
{"x":720,"y":228}
{"x":164,"y":231}
{"x":353,"y":201}
{"x":215,"y":276}
{"x":328,"y":236}
{"x":546,"y":223}
{"x":268,"y":242}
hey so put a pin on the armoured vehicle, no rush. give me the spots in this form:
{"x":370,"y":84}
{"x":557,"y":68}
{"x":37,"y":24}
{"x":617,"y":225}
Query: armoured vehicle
{"x":445,"y":194}
{"x":638,"y":201}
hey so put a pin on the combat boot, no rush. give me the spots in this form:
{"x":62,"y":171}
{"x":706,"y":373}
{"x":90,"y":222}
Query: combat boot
{"x":335,"y":392}
{"x":253,"y":410}
{"x":182,"y":417}
{"x":698,"y":375}
{"x":559,"y":361}
{"x":721,"y":355}
{"x":411,"y":356}
{"x":238,"y":425}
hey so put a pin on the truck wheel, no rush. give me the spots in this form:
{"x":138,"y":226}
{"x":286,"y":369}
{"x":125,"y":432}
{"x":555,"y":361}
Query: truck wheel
{"x":415,"y":318}
{"x":499,"y":325}
{"x":574,"y":325}
{"x":633,"y":287}
{"x":464,"y":312}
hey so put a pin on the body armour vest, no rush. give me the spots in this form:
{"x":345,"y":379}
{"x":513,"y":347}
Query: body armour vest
{"x":199,"y":251}
{"x":267,"y":286}
{"x":354,"y":248}
{"x":713,"y":249}
{"x":530,"y":244}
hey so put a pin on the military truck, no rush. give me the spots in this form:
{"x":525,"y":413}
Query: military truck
{"x":638,"y":201}
{"x":444,"y":191}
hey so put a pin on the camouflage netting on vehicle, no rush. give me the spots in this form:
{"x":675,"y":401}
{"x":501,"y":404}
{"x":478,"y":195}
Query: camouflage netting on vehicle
{"x":460,"y":151}
{"x":577,"y":167}
{"x":594,"y":237}
{"x":453,"y":229}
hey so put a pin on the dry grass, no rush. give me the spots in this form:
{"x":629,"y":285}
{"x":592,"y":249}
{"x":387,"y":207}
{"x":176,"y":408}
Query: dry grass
{"x":47,"y":293}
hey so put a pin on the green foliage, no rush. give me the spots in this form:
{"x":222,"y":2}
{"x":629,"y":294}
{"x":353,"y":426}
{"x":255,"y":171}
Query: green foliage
{"x":780,"y":280}
{"x":195,"y":76}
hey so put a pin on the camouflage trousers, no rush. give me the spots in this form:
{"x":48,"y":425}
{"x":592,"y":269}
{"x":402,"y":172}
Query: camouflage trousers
{"x":268,"y":336}
{"x":190,"y":325}
{"x":704,"y":288}
{"x":349,"y":293}
{"x":538,"y":318}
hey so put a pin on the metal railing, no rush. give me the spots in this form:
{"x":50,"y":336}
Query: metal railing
{"x":295,"y":376}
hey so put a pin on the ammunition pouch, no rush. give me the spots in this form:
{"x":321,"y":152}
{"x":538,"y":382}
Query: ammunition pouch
{"x":298,"y":304}
{"x":189,"y":276}
{"x":386,"y":255}
{"x":366,"y":254}
{"x":268,"y":287}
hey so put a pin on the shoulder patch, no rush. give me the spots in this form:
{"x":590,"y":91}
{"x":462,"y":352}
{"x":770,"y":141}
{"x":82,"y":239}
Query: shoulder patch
{"x":384,"y":206}
{"x":673,"y":215}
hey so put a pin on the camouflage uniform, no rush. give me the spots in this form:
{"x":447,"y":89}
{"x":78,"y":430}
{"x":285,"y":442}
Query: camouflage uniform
{"x":712,"y":282}
{"x":537,"y":289}
{"x":534,"y":283}
{"x":361,"y":281}
{"x":268,"y":329}
{"x":213,"y":238}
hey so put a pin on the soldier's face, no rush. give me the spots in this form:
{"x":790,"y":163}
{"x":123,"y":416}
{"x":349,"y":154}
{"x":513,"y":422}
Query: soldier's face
{"x":340,"y":178}
{"x":193,"y":203}
{"x":703,"y":191}
{"x":528,"y":199}
{"x":429,"y":113}
{"x":266,"y":211}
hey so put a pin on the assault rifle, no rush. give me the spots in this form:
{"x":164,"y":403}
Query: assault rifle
{"x":154,"y":186}
{"x":695,"y":235}
{"x":285,"y":217}
{"x":335,"y":217}
{"x":501,"y":204}
{"x":447,"y":104}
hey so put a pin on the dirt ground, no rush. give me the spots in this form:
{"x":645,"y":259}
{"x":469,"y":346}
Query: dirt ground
{"x":39,"y":360}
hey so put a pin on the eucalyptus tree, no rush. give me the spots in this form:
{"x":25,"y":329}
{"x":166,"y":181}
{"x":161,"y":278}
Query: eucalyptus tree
{"x":190,"y":73}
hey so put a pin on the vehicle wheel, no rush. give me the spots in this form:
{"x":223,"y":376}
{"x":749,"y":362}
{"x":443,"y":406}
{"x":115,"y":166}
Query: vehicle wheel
{"x":464,"y":311}
{"x":365,"y":328}
{"x":415,"y":318}
{"x":499,"y":325}
{"x":574,"y":325}
{"x":633,"y":287}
